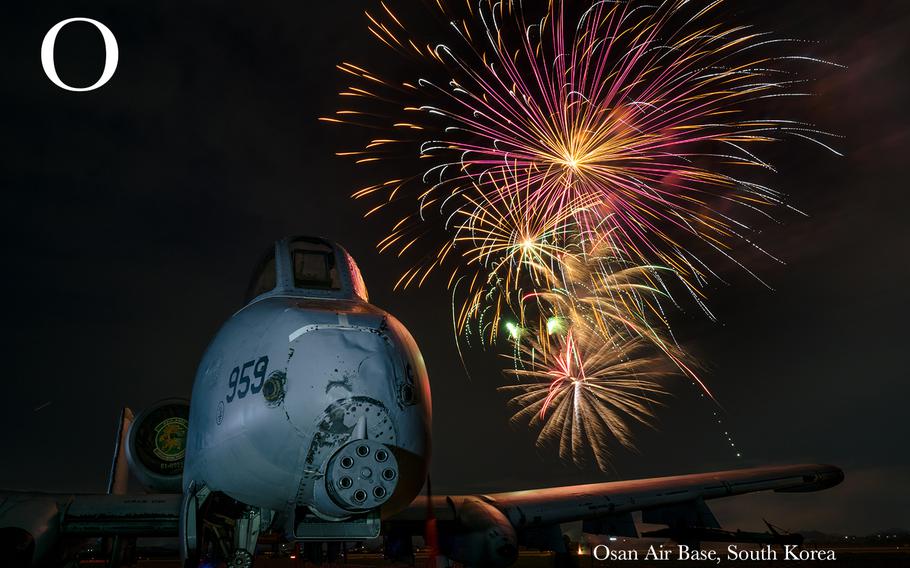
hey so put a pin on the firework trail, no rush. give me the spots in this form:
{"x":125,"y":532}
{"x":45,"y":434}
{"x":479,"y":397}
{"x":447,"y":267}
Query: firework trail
{"x":570,"y":168}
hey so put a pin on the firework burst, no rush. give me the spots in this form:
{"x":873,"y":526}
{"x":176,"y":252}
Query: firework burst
{"x":583,"y":391}
{"x":513,"y":249}
{"x":568,"y":168}
{"x":645,"y":113}
{"x":602,"y":290}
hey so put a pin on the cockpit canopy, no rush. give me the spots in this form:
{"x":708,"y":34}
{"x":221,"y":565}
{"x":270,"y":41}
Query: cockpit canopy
{"x":307,"y":267}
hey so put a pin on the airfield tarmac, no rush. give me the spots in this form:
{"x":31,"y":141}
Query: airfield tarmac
{"x":847,"y":557}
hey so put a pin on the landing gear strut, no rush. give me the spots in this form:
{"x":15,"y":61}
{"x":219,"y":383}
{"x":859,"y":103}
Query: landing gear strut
{"x":246,"y":533}
{"x":214,"y":526}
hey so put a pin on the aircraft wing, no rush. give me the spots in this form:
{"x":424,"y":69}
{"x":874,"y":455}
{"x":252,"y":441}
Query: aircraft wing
{"x":596,"y":500}
{"x":90,"y":515}
{"x":136,"y":515}
{"x":532,"y":517}
{"x":38,"y":528}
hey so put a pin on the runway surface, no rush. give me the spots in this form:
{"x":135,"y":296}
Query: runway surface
{"x":847,"y":557}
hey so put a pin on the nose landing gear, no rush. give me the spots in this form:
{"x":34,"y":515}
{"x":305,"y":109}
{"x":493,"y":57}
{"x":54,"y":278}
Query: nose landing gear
{"x":246,"y":533}
{"x":214,"y":526}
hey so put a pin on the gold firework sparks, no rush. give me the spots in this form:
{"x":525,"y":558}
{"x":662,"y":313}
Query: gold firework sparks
{"x":583,"y":390}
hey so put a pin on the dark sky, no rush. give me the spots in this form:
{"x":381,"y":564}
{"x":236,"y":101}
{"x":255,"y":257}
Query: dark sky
{"x":132,"y":216}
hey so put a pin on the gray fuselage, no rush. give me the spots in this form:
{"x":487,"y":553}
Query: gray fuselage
{"x":288,"y":381}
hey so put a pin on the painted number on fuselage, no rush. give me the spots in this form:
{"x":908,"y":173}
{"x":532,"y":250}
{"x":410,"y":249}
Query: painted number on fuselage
{"x":240,"y":383}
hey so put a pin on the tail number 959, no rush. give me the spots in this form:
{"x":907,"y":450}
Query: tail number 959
{"x":247,"y":378}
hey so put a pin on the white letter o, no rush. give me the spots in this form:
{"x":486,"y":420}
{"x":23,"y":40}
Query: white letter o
{"x":111,"y":55}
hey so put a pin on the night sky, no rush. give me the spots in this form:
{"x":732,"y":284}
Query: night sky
{"x":133,"y":215}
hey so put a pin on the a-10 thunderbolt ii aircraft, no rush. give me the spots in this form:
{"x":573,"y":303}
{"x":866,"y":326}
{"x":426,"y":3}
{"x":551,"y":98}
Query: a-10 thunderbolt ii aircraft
{"x":310,"y":419}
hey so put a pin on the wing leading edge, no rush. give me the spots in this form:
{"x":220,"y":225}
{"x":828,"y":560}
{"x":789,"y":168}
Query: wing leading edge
{"x":537,"y":507}
{"x":584,"y":502}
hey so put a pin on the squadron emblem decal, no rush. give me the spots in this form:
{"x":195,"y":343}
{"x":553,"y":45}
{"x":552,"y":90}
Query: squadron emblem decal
{"x":170,"y":439}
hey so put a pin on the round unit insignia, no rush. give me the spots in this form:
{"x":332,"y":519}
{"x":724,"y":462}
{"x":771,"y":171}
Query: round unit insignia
{"x":170,"y":439}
